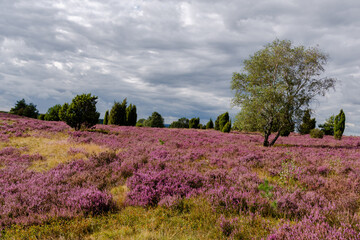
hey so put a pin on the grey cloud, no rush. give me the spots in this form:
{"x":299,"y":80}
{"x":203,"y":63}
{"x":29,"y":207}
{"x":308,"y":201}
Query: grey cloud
{"x":173,"y":57}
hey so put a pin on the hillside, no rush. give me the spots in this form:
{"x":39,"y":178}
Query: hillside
{"x":115,"y":182}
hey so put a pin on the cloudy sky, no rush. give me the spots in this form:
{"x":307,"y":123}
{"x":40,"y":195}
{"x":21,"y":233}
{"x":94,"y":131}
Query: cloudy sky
{"x":173,"y":57}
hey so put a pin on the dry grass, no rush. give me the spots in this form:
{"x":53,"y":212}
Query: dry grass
{"x":54,"y":149}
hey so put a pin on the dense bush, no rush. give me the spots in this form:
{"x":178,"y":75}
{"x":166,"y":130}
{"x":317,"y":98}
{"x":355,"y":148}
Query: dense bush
{"x":316,"y":133}
{"x":227,"y":127}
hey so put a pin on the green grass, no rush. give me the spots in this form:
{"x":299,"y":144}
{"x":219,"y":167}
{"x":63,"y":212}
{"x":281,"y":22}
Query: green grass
{"x":191,"y":219}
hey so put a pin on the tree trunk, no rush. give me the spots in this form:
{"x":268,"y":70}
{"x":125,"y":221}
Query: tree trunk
{"x":274,"y":140}
{"x":266,"y":139}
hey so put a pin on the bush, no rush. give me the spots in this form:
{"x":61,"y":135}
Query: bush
{"x":226,"y":128}
{"x":316,"y":133}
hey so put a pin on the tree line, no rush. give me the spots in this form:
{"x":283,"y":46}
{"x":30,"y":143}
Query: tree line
{"x":274,"y":90}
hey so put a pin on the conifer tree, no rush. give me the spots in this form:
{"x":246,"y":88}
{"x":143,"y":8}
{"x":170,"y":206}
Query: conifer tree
{"x":339,"y":125}
{"x":106,"y":118}
{"x":118,"y":113}
{"x":307,"y":123}
{"x":210,"y":124}
{"x":131,"y":115}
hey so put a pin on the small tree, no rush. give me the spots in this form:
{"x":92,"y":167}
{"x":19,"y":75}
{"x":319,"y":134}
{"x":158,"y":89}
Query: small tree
{"x":23,"y":109}
{"x":118,"y":113}
{"x":210,"y":124}
{"x":339,"y":125}
{"x":194,"y":123}
{"x":155,"y":120}
{"x":106,"y":118}
{"x":52,"y":113}
{"x":81,"y":112}
{"x":328,"y":126}
{"x":307,"y":123}
{"x":131,"y":115}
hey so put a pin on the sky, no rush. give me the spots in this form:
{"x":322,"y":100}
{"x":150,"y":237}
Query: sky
{"x":173,"y":57}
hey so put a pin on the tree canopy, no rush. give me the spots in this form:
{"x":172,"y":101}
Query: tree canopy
{"x":52,"y":113}
{"x":181,"y":123}
{"x":21,"y":108}
{"x":155,"y":120}
{"x":277,"y":84}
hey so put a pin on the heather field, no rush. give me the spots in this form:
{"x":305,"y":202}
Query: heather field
{"x":114,"y":182}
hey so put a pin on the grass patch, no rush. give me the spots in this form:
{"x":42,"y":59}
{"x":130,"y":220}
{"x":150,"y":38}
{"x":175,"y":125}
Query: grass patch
{"x":189,"y":219}
{"x":54,"y":150}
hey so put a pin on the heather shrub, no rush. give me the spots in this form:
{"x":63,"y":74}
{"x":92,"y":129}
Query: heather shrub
{"x":314,"y":228}
{"x":149,"y":187}
{"x":316,"y":133}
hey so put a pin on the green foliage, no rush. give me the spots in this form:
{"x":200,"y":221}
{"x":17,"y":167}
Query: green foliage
{"x":81,"y":112}
{"x":63,"y":112}
{"x":122,"y":115}
{"x":41,"y":116}
{"x":316,"y":133}
{"x":339,"y":125}
{"x":221,"y":121}
{"x":52,"y":113}
{"x":210,"y":124}
{"x":118,"y":113}
{"x":23,"y":109}
{"x":155,"y":120}
{"x":227,"y":127}
{"x":277,"y":82}
{"x":131,"y":115}
{"x":181,"y":123}
{"x":106,"y":118}
{"x":328,"y":126}
{"x":307,"y":123}
{"x":194,"y":123}
{"x":140,"y":122}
